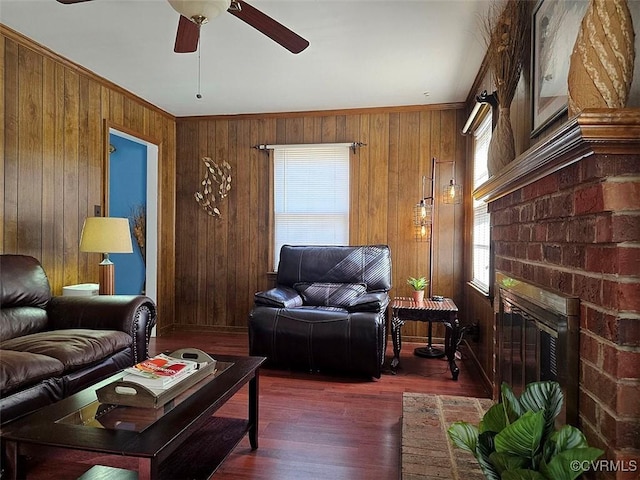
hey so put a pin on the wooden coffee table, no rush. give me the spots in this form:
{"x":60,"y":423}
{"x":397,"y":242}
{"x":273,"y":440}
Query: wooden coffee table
{"x":182,"y":440}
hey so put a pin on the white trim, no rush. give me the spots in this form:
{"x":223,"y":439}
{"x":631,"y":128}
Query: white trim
{"x":151,"y":284}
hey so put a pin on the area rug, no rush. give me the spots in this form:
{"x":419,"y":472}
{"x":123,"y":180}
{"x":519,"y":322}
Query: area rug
{"x":427,"y":452}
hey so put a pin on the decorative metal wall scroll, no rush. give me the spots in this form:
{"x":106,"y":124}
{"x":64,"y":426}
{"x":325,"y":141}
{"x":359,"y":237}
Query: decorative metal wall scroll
{"x":209,"y":195}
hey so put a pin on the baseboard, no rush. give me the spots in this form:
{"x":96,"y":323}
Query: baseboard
{"x":485,"y":379}
{"x":175,"y":328}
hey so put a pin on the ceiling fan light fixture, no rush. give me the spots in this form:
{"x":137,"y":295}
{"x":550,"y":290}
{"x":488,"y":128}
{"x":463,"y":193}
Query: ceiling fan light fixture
{"x":200,"y":10}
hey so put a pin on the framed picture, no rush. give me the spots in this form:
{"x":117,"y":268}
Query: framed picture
{"x":554,"y":30}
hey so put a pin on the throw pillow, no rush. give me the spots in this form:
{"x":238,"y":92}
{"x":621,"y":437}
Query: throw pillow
{"x":330,"y":294}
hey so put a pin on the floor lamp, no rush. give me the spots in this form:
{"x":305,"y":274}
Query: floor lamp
{"x":424,"y":217}
{"x":106,"y":235}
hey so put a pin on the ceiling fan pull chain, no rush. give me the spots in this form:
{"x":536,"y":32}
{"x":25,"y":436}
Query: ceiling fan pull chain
{"x":199,"y":95}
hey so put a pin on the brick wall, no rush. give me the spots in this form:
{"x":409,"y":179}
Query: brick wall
{"x":577,"y":231}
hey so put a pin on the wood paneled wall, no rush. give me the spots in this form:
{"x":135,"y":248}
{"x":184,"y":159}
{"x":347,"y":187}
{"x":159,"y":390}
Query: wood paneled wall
{"x":52,"y":145}
{"x":222,"y":262}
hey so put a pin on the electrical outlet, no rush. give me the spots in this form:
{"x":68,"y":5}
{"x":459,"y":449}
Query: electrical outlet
{"x":97,"y":211}
{"x":474,"y":332}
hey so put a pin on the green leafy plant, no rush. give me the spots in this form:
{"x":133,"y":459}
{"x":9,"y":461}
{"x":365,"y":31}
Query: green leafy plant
{"x":517,"y":438}
{"x":418,"y":284}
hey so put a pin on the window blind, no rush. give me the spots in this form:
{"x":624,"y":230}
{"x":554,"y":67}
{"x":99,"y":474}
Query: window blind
{"x":481,"y":225}
{"x":311,"y":195}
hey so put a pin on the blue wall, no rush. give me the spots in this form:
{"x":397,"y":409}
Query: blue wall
{"x":127,"y":190}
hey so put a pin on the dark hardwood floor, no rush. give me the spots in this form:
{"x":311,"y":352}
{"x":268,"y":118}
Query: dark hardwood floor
{"x":315,"y":426}
{"x":326,"y":427}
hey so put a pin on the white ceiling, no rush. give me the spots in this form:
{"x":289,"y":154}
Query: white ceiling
{"x":362,"y":53}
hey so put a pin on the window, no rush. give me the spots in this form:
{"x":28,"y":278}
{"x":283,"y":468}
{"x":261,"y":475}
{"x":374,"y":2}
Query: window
{"x":481,"y":232}
{"x":311,"y":195}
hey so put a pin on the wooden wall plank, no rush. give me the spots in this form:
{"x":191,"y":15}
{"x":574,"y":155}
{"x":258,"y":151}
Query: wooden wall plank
{"x":11,"y":135}
{"x":396,"y":227}
{"x":445,"y":232}
{"x":95,"y":161}
{"x":329,"y":126}
{"x":244,"y":216}
{"x":257,"y":196}
{"x":49,"y":194}
{"x":29,"y":151}
{"x":227,"y":284}
{"x":353,"y":135}
{"x":2,"y":130}
{"x":415,"y":262}
{"x":221,"y":231}
{"x":70,"y":168}
{"x":459,"y":213}
{"x":377,"y":180}
{"x":358,"y":207}
{"x":200,"y":228}
{"x":83,"y":167}
{"x":436,"y":152}
{"x":294,"y":130}
{"x":56,"y":271}
{"x":187,"y":218}
{"x":116,"y":108}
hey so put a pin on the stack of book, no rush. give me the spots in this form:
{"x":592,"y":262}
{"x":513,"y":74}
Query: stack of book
{"x":161,"y":372}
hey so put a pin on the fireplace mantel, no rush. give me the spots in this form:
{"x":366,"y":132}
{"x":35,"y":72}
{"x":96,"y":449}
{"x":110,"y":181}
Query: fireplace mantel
{"x":600,"y":131}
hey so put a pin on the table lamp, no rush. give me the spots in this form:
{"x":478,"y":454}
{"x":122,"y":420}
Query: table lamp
{"x":106,"y":235}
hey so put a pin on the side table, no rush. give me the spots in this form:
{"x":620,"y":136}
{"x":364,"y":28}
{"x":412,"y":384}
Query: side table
{"x":444,"y":311}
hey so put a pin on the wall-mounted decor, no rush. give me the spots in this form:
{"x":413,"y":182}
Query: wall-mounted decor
{"x":210,"y":195}
{"x":601,"y":67}
{"x":507,"y":32}
{"x":555,"y":28}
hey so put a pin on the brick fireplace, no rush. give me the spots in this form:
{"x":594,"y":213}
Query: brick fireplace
{"x":565,"y":215}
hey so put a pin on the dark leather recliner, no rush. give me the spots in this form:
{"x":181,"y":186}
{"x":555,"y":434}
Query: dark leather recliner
{"x":327,"y":312}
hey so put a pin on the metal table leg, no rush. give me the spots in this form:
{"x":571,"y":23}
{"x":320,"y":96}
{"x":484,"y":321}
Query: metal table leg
{"x":452,"y":335}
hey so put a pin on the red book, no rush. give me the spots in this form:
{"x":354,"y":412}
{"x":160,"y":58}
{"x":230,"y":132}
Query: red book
{"x":160,"y":371}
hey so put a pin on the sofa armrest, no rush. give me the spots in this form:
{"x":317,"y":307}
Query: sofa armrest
{"x":280,"y":297}
{"x":369,"y":302}
{"x":132,"y":314}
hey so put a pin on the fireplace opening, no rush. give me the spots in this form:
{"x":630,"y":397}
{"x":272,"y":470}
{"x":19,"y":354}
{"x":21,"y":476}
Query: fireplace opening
{"x":538,"y":339}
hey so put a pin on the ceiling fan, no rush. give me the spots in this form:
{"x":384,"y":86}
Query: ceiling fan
{"x":195,"y":13}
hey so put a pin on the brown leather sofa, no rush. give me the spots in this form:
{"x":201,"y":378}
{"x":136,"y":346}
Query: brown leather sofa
{"x":327,"y":312}
{"x":54,"y":346}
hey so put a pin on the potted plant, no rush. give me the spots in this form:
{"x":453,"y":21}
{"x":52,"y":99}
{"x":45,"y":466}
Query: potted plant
{"x":517,"y":438}
{"x":418,"y":285}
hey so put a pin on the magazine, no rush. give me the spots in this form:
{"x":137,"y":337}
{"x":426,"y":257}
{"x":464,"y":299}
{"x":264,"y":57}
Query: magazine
{"x":160,"y":371}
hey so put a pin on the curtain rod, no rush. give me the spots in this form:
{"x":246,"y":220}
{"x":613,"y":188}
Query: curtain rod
{"x":353,"y":145}
{"x":481,"y":101}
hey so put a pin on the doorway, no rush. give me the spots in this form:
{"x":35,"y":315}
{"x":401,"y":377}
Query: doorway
{"x":132,"y":192}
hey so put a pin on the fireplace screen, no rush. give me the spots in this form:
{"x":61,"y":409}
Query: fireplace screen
{"x":538,"y":340}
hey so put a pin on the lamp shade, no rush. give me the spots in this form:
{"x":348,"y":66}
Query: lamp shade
{"x":452,"y":193}
{"x":200,"y":8}
{"x":106,"y":235}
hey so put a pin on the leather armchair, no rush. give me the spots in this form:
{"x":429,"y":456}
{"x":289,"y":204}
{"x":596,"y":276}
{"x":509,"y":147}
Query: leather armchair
{"x":327,"y":311}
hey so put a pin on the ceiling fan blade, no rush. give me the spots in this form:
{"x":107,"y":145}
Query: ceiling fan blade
{"x":187,"y":36}
{"x":267,"y":25}
{"x":69,"y":2}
